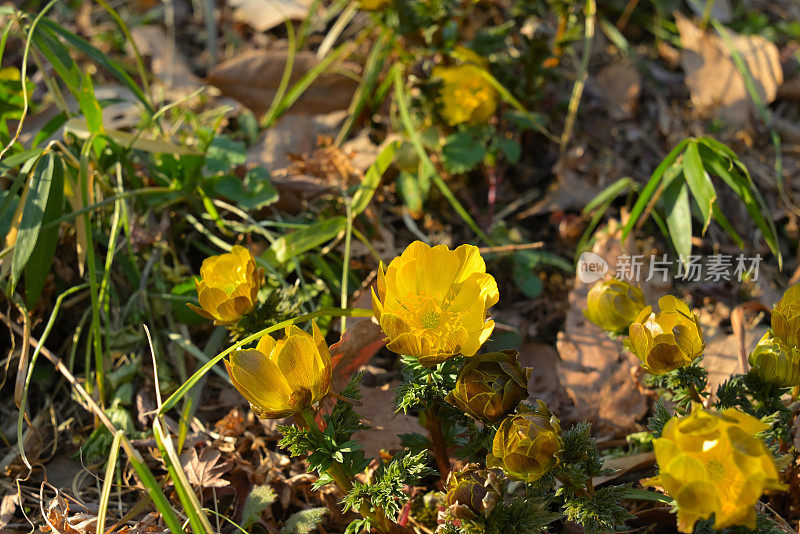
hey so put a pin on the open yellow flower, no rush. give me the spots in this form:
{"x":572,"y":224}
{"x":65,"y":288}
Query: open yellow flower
{"x":228,"y":286}
{"x":466,"y":97}
{"x":666,"y":340}
{"x":712,"y":463}
{"x":282,"y":378}
{"x":432,"y":302}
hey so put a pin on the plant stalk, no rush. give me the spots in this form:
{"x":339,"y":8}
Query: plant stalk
{"x":339,"y":475}
{"x":434,"y":426}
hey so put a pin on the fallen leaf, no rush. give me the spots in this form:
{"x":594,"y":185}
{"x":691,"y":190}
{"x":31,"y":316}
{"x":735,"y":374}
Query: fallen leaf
{"x":262,"y":15}
{"x":253,"y":77}
{"x":360,"y":341}
{"x":623,"y":465}
{"x":378,"y":412}
{"x":168,"y":64}
{"x":620,"y":85}
{"x":721,"y":357}
{"x":295,"y":133}
{"x":7,"y":508}
{"x":594,"y":369}
{"x":204,"y":470}
{"x":717,"y":89}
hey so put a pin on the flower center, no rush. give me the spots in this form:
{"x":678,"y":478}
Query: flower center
{"x":430,"y":319}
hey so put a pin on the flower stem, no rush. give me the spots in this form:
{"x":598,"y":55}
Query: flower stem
{"x":339,"y":474}
{"x":693,"y":394}
{"x":434,"y":426}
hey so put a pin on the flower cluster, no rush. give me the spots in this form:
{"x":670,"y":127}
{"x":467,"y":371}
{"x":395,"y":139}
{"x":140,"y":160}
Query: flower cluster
{"x":712,"y":463}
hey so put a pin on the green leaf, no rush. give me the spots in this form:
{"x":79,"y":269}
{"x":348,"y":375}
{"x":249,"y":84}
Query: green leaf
{"x":104,"y":61}
{"x":679,"y":216}
{"x":510,"y":147}
{"x":296,"y":243}
{"x":223,"y":154}
{"x":699,"y":182}
{"x":372,"y":178}
{"x":650,"y":188}
{"x":41,"y":259}
{"x":258,"y":500}
{"x":718,"y":163}
{"x":609,"y":193}
{"x":304,"y":521}
{"x":32,"y":215}
{"x":461,"y":153}
{"x":80,"y":129}
{"x":252,"y":193}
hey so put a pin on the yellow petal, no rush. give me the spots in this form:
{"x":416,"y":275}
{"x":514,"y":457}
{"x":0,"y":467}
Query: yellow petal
{"x":296,"y":361}
{"x":258,"y":379}
{"x":266,"y":345}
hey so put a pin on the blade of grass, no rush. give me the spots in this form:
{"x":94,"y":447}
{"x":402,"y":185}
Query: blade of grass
{"x":94,"y":290}
{"x":372,"y":69}
{"x":191,"y":505}
{"x":108,"y":482}
{"x":269,"y":116}
{"x":143,"y":472}
{"x":427,"y":165}
{"x":24,"y":76}
{"x":29,"y":373}
{"x":325,"y":312}
{"x":590,"y":10}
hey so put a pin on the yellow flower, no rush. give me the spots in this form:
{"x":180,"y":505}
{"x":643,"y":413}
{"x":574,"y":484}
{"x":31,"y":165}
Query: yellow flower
{"x":374,"y":5}
{"x":228,"y":286}
{"x":466,"y":97}
{"x":432,"y":302}
{"x":527,"y":445}
{"x":282,"y":378}
{"x":712,"y":463}
{"x":667,"y":340}
{"x":614,"y":304}
{"x":776,"y":363}
{"x":786,"y":317}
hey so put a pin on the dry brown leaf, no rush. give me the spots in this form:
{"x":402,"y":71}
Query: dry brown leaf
{"x":721,"y":357}
{"x":253,"y":77}
{"x":716,"y":87}
{"x":595,"y":370}
{"x":620,"y":85}
{"x":378,"y":412}
{"x":623,"y":465}
{"x":8,"y":506}
{"x":294,"y":134}
{"x":204,"y":470}
{"x":168,"y":64}
{"x":262,"y":15}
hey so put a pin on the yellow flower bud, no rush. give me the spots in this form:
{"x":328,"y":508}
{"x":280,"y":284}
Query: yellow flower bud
{"x":527,"y":445}
{"x":614,"y":304}
{"x":490,"y":386}
{"x":666,"y":340}
{"x":466,"y":97}
{"x":228,"y":286}
{"x":282,"y":378}
{"x":473,"y":492}
{"x":712,"y":463}
{"x":786,"y":317}
{"x":776,"y":363}
{"x":432,"y":302}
